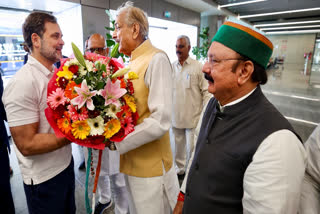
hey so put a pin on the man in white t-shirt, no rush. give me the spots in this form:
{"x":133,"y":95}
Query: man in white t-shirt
{"x":45,"y":161}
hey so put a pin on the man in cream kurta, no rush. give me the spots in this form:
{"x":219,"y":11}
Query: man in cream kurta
{"x":190,"y":94}
{"x":146,"y":157}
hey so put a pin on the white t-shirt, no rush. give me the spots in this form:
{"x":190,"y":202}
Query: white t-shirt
{"x":25,"y":99}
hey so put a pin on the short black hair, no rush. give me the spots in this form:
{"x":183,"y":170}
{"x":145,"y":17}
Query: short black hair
{"x":259,"y":73}
{"x":35,"y":23}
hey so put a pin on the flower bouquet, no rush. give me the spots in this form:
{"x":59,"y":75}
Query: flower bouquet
{"x":90,"y":102}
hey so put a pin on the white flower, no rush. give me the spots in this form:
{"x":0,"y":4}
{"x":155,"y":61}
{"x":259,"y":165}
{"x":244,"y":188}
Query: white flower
{"x":112,"y":111}
{"x":89,"y":65}
{"x":96,"y":125}
{"x":72,"y":62}
{"x":82,"y":71}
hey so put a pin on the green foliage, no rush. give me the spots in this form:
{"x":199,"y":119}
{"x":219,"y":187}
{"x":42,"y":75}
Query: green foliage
{"x":111,"y":44}
{"x":202,"y":50}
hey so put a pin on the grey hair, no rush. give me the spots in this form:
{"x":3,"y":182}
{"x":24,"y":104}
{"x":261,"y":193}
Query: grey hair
{"x":186,"y":38}
{"x":135,"y":15}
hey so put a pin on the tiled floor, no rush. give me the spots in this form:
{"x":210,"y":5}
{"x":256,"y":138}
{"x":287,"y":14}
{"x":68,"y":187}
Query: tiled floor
{"x":287,"y":89}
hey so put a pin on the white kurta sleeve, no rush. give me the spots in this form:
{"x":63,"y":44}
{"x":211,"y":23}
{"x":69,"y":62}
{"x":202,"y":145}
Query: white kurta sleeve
{"x":310,"y":194}
{"x":272,"y":181}
{"x":158,"y":80}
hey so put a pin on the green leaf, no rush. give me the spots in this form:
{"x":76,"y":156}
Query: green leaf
{"x":109,"y":28}
{"x":114,"y":50}
{"x":109,"y":36}
{"x":103,"y":67}
{"x":77,"y":53}
{"x":78,"y":80}
{"x":110,"y":42}
{"x":100,"y":85}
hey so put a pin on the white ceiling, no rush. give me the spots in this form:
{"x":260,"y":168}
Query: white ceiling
{"x":198,"y":6}
{"x":54,"y":6}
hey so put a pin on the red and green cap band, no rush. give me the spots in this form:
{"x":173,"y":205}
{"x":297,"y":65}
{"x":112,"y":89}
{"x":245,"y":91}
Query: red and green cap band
{"x":245,"y":41}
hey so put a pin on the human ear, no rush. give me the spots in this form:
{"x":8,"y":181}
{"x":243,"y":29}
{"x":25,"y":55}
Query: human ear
{"x":35,"y":38}
{"x":245,"y":72}
{"x":135,"y":30}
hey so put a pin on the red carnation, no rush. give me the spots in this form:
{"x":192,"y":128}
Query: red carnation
{"x":73,"y":68}
{"x":63,"y":82}
{"x":119,"y":136}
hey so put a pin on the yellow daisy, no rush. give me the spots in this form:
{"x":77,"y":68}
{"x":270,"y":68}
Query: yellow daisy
{"x":130,"y":102}
{"x":80,"y":129}
{"x":111,"y":128}
{"x":65,"y":73}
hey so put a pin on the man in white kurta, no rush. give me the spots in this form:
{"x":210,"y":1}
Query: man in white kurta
{"x":146,"y":157}
{"x":190,"y":94}
{"x":310,"y":194}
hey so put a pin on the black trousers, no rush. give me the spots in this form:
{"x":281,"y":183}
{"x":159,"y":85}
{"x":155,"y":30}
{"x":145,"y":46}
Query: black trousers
{"x":6,"y":202}
{"x":53,"y":196}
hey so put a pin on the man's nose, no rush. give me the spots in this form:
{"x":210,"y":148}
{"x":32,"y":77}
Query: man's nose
{"x":206,"y":68}
{"x":114,"y":34}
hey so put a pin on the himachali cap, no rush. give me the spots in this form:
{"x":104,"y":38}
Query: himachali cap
{"x":245,"y":41}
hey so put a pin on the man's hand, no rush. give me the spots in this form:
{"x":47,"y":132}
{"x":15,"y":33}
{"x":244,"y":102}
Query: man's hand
{"x":178,"y":207}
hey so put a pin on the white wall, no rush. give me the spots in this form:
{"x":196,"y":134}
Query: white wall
{"x":292,"y":47}
{"x":70,"y":21}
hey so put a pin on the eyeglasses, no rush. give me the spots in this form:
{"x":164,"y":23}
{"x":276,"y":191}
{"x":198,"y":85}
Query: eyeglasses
{"x":96,"y":50}
{"x":214,"y":62}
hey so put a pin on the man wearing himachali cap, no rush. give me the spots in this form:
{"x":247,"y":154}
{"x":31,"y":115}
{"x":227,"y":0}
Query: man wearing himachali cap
{"x":248,"y":158}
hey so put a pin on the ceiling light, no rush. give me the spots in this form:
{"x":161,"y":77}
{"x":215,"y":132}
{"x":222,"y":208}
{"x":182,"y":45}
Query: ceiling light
{"x":293,"y":32}
{"x":240,"y":3}
{"x":280,"y":12}
{"x":293,"y":27}
{"x":287,"y":23}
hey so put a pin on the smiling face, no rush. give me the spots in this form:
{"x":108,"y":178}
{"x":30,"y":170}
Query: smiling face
{"x":224,"y":73}
{"x":51,"y":42}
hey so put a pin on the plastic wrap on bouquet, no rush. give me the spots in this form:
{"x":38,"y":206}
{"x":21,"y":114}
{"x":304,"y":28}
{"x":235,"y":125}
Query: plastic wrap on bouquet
{"x":91,"y":103}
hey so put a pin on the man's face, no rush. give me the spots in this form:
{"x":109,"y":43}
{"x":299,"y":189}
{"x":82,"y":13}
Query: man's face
{"x":51,"y":42}
{"x":97,"y":45}
{"x":123,"y":34}
{"x":182,"y":49}
{"x":222,"y":72}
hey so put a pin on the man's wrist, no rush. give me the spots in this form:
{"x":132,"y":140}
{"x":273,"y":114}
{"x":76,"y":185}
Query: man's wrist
{"x":181,"y":196}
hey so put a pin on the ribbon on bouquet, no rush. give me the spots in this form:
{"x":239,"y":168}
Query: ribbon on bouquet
{"x":96,"y":179}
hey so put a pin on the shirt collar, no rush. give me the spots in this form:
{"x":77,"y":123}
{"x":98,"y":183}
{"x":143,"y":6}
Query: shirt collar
{"x":236,"y":101}
{"x":141,"y":49}
{"x":187,"y":61}
{"x":39,"y":66}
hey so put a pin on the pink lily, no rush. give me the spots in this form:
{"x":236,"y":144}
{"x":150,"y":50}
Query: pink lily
{"x":84,"y":97}
{"x":112,"y":92}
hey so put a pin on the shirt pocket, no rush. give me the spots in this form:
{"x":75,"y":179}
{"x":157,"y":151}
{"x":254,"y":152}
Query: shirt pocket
{"x":193,"y":79}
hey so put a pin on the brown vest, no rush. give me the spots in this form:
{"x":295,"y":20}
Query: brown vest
{"x":149,"y":159}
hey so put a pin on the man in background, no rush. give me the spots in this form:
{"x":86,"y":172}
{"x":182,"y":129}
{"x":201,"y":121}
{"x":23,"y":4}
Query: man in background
{"x":45,"y":161}
{"x":190,"y":94}
{"x":7,"y":205}
{"x":110,"y":159}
